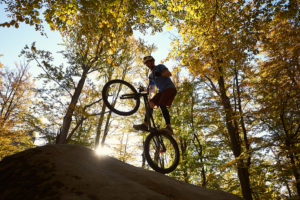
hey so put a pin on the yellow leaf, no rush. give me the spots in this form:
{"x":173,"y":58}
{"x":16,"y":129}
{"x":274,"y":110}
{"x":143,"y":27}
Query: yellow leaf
{"x":168,"y":27}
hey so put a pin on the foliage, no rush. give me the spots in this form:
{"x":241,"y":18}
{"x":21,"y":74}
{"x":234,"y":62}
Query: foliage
{"x":279,"y":111}
{"x":112,"y":20}
{"x":15,"y":100}
{"x":217,"y":41}
{"x":95,"y":29}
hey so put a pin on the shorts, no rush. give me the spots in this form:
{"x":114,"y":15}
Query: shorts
{"x":165,"y":97}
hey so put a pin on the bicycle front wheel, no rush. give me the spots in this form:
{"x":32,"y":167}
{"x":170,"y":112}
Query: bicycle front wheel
{"x":120,"y":97}
{"x":161,"y":152}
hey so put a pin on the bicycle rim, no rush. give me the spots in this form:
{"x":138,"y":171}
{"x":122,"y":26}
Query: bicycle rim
{"x":161,"y":152}
{"x":120,"y":97}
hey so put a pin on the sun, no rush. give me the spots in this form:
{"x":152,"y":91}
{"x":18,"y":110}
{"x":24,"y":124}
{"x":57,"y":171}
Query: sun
{"x":104,"y":150}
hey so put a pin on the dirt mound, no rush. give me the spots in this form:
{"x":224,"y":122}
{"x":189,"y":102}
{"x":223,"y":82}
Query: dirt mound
{"x":75,"y":172}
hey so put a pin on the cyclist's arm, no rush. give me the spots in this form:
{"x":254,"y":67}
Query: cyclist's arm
{"x":166,"y":73}
{"x":151,"y":86}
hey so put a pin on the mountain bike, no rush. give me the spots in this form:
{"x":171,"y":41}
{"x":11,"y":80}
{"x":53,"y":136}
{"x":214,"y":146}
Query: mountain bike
{"x":160,"y":148}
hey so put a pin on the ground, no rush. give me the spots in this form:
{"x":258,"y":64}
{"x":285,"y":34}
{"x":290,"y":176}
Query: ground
{"x":71,"y":172}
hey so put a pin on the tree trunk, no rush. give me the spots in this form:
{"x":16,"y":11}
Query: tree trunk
{"x":99,"y":125}
{"x":101,"y":119}
{"x":143,"y":156}
{"x":242,"y":122}
{"x":106,"y":129}
{"x":296,"y":170}
{"x":125,"y":148}
{"x":183,"y":147}
{"x":232,"y":129}
{"x":200,"y":147}
{"x":62,"y":137}
{"x":75,"y":128}
{"x":291,"y":155}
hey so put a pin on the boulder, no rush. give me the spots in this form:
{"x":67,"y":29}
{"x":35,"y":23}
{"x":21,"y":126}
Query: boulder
{"x":71,"y":172}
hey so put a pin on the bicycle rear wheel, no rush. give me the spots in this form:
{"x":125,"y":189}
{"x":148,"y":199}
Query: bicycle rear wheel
{"x":161,"y":152}
{"x":120,"y":97}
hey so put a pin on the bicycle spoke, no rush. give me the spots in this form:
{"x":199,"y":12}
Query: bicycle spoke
{"x":162,"y":152}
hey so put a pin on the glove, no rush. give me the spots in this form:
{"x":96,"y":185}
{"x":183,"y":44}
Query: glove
{"x":157,"y":74}
{"x":152,"y":88}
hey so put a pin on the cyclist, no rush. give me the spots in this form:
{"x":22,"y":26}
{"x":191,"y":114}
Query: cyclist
{"x":160,"y":76}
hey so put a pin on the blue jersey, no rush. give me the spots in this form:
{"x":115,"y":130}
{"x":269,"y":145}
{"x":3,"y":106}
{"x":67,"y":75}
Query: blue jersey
{"x":161,"y":82}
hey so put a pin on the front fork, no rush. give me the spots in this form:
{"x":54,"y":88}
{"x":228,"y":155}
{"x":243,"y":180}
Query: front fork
{"x":158,"y":141}
{"x":150,"y":121}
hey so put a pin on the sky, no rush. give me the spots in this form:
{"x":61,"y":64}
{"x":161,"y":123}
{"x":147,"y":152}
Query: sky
{"x":13,"y":40}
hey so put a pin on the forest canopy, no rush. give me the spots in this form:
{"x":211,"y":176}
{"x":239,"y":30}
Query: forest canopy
{"x":236,"y":116}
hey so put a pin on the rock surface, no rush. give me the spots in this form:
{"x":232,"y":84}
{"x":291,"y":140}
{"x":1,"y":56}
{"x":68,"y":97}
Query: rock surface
{"x":71,"y":172}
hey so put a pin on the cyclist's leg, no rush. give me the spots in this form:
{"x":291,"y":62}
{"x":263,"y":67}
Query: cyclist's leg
{"x":167,"y":118}
{"x":153,"y":103}
{"x":145,"y":124}
{"x":166,"y":114}
{"x":166,"y":100}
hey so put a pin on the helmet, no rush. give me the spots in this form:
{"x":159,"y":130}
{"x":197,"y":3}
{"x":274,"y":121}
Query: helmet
{"x":147,"y":58}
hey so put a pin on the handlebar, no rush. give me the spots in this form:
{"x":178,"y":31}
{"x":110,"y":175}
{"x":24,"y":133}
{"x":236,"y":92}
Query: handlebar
{"x":143,"y":89}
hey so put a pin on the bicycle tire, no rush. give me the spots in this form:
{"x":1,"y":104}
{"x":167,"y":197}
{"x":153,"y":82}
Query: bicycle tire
{"x":148,"y":151}
{"x":112,"y":104}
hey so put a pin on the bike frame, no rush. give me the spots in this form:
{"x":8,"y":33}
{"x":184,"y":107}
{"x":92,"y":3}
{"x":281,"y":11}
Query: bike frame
{"x":150,"y":120}
{"x":149,"y":116}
